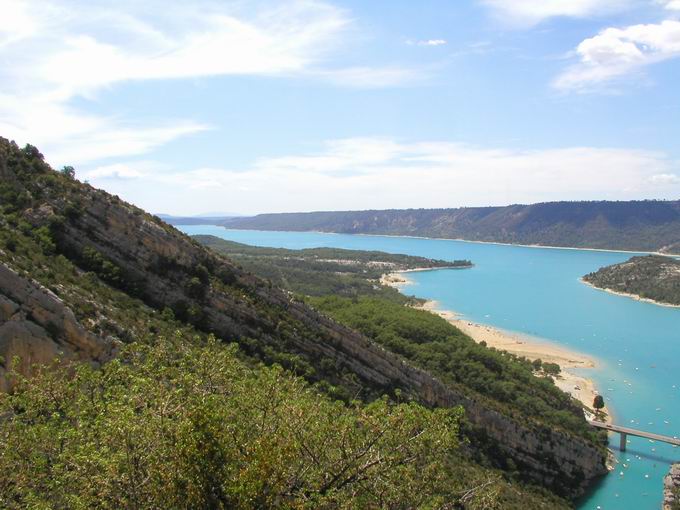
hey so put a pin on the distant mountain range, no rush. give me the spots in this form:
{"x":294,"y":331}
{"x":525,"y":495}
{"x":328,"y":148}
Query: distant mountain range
{"x":637,"y":226}
{"x":200,"y":219}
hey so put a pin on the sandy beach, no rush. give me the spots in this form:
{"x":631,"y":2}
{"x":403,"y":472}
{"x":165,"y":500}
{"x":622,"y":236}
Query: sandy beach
{"x":579,"y":387}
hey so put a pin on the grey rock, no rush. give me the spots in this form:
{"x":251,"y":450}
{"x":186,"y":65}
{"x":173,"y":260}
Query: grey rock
{"x":671,"y":489}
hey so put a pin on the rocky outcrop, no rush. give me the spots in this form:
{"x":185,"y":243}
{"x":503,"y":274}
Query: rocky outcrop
{"x":671,"y":489}
{"x":36,"y":327}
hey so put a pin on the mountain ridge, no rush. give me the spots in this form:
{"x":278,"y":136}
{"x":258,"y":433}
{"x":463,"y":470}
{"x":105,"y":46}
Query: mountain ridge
{"x":648,"y":226}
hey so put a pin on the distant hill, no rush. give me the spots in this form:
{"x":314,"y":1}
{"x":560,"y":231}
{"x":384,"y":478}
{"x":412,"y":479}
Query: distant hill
{"x":652,"y":277}
{"x":199,"y":219}
{"x":637,"y":226}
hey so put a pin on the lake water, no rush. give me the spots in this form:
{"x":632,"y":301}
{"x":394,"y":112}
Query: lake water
{"x":537,"y":291}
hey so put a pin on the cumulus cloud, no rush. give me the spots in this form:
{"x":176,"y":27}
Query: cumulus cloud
{"x":532,"y":12}
{"x":363,"y":173}
{"x":617,"y":52}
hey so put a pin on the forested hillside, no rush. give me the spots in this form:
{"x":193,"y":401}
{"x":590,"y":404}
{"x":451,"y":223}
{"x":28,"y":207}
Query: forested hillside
{"x":326,"y":271}
{"x":427,"y":340}
{"x":652,"y":277}
{"x":89,"y":278}
{"x":637,"y":226}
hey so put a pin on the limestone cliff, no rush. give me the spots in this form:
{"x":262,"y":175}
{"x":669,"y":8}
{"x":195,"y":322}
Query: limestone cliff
{"x":36,"y":327}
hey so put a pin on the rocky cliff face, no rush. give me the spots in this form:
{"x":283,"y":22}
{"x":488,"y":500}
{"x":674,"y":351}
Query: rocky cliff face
{"x":166,"y":269}
{"x":671,"y":489}
{"x":37,"y":327}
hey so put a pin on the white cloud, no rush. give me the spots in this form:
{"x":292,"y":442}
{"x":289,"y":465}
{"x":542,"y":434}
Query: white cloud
{"x":427,"y":42}
{"x":115,"y":171}
{"x":54,"y":53}
{"x":617,"y":52}
{"x":186,"y":41}
{"x":16,"y":22}
{"x":532,"y":12}
{"x":671,"y":5}
{"x":372,"y":77}
{"x":665,"y":179}
{"x":363,"y":173}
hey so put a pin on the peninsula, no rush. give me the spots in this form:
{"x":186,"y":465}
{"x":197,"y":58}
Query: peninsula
{"x":651,"y":278}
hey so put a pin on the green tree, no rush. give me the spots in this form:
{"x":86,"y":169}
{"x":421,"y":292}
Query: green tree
{"x":69,"y":172}
{"x":551,"y":369}
{"x":598,"y":405}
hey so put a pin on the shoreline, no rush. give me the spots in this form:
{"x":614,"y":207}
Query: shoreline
{"x":579,"y":387}
{"x":628,"y":295}
{"x":540,"y":246}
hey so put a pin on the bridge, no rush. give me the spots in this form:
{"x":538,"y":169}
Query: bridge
{"x":625,"y":432}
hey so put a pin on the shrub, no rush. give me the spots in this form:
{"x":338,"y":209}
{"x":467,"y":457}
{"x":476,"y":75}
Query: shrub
{"x":174,"y":426}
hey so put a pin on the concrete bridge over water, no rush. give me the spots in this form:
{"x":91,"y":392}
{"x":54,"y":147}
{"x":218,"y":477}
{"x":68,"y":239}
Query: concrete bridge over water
{"x":625,"y":432}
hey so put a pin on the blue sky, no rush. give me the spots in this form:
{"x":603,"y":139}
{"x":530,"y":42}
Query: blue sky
{"x":259,"y":106}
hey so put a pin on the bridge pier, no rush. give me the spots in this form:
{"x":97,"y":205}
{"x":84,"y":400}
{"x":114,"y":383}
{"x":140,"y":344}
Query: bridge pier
{"x":622,"y":444}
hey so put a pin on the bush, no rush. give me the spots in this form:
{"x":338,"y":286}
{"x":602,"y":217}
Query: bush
{"x":173,"y":426}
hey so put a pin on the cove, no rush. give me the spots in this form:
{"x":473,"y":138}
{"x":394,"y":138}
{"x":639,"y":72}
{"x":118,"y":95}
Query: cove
{"x":536,"y":291}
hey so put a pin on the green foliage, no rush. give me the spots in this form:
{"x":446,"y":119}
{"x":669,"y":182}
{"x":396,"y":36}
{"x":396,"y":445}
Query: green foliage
{"x":69,"y":172}
{"x":325,"y":271}
{"x":598,"y":402}
{"x":176,"y":426}
{"x":44,"y":237}
{"x":196,"y":288}
{"x":650,"y":277}
{"x":551,"y":369}
{"x":105,"y":269}
{"x":442,"y":349}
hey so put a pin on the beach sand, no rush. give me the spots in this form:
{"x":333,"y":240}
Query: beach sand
{"x":579,"y":387}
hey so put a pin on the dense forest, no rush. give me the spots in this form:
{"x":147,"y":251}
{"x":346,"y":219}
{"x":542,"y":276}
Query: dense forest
{"x":326,"y":271}
{"x":650,"y":277}
{"x":187,"y":381}
{"x":638,"y":226}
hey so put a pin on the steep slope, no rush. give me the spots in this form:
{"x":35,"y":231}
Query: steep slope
{"x":152,"y":262}
{"x":36,"y":326}
{"x":637,"y":226}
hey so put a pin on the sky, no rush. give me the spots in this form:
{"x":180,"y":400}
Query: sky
{"x":253,"y":106}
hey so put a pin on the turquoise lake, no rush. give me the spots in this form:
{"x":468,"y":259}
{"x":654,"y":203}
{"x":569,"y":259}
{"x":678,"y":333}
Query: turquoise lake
{"x":537,"y":291}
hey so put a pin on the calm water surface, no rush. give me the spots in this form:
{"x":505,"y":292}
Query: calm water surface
{"x":537,"y":291}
